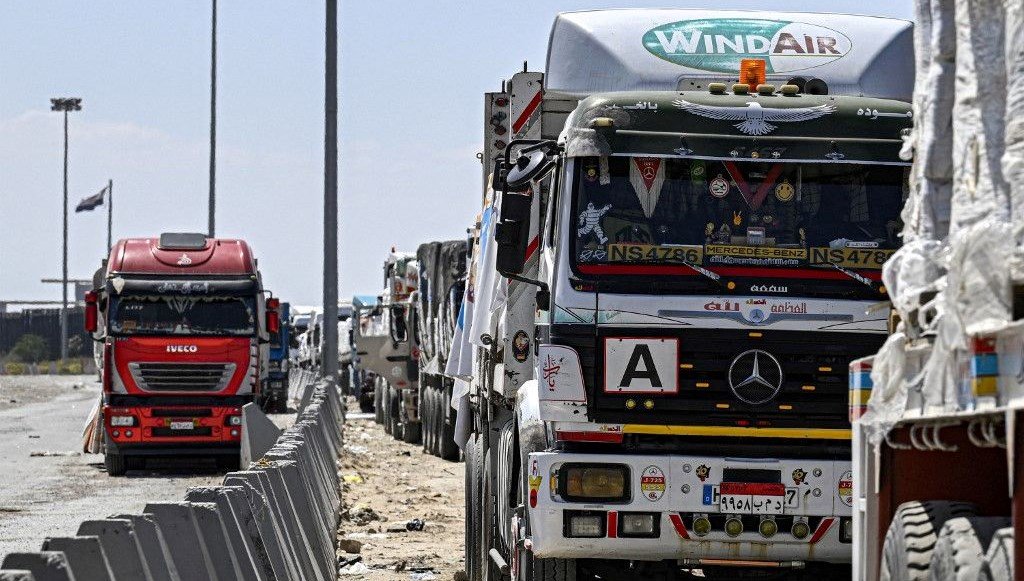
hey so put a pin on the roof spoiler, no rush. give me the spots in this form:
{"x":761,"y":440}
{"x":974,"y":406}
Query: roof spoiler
{"x":182,"y":241}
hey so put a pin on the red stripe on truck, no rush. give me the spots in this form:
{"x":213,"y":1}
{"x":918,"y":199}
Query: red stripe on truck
{"x":527,"y":112}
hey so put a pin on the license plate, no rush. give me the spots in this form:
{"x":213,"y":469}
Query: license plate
{"x":752,"y":498}
{"x":182,"y":425}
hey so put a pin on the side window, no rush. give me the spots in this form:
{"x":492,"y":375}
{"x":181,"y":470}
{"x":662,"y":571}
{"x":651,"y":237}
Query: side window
{"x":551,"y":222}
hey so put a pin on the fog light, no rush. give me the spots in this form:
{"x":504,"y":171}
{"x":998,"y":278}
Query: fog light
{"x":116,"y":433}
{"x":234,"y":420}
{"x":122,"y":420}
{"x":586,"y":526}
{"x":846,"y":530}
{"x":593,"y":482}
{"x":801,"y":529}
{"x":733,"y":526}
{"x":234,"y":433}
{"x":768,"y":528}
{"x":702,"y":526}
{"x":127,"y":433}
{"x":636,"y":524}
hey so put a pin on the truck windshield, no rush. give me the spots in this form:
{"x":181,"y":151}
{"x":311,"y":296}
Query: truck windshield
{"x":164,"y":315}
{"x":765,"y":220}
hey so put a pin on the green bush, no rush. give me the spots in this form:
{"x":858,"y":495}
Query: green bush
{"x":69,"y":367}
{"x":30,"y":349}
{"x":14,"y":368}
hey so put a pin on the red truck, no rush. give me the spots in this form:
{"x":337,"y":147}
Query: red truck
{"x":184,"y":323}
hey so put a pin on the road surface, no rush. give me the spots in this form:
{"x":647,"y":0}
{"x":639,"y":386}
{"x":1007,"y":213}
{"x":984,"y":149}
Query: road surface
{"x":47,"y":486}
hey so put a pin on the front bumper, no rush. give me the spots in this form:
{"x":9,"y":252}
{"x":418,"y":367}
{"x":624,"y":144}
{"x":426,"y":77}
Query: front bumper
{"x":679,"y":489}
{"x":180,"y":429}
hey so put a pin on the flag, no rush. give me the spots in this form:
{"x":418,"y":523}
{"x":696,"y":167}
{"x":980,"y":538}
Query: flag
{"x":89,"y":203}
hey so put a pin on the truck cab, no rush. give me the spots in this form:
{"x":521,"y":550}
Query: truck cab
{"x":187,"y":328}
{"x":279,"y":366}
{"x":688,"y":235}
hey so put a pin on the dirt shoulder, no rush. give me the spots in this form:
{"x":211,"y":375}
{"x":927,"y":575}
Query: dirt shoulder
{"x":387,"y":485}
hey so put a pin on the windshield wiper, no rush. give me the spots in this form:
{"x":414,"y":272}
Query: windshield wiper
{"x":859,"y":278}
{"x":712,"y":276}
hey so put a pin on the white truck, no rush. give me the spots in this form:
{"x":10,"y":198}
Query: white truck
{"x":937,"y":486}
{"x":688,"y":218}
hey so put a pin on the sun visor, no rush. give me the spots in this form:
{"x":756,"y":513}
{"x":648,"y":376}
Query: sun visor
{"x":676,"y":50}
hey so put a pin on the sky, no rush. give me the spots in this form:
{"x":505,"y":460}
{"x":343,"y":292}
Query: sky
{"x":411,"y":83}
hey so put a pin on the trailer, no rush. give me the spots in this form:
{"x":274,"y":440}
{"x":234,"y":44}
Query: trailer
{"x":683,"y":225}
{"x":438,"y":302}
{"x":185,"y":326}
{"x":936,"y":483}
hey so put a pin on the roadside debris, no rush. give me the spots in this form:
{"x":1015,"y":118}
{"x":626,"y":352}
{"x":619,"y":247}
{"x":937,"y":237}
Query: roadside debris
{"x":49,"y":454}
{"x":350,"y":545}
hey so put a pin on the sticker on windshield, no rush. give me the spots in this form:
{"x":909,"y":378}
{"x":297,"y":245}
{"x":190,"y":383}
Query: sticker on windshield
{"x":589,"y":223}
{"x":864,"y":258}
{"x":785,"y":191}
{"x":719,"y":187}
{"x":647,"y":175}
{"x":625,"y":252}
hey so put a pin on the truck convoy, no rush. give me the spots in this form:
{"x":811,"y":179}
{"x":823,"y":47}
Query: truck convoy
{"x":438,"y":302}
{"x":186,"y":327}
{"x":938,"y":486}
{"x":684,"y":223}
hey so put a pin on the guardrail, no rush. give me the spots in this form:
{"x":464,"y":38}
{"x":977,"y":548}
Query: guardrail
{"x":274,"y":521}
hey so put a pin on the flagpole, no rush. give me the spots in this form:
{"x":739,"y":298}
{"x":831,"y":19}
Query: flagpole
{"x":110,"y":212}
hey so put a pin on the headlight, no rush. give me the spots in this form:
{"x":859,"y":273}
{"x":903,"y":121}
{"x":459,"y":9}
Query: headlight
{"x":122,"y":421}
{"x":234,"y":420}
{"x":590,"y":482}
{"x":637,"y":524}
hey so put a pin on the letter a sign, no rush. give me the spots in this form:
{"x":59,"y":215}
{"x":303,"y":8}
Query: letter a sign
{"x":641,"y":365}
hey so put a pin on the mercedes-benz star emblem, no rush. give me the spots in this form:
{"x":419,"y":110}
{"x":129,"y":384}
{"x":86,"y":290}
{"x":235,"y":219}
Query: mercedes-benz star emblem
{"x":755,"y":376}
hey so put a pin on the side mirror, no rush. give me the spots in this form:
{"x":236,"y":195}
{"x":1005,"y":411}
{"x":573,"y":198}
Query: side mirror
{"x":92,"y":311}
{"x":273,"y":317}
{"x":512,"y":232}
{"x":531,"y":166}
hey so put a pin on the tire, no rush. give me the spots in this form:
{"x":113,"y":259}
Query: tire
{"x":911,"y":538}
{"x":424,"y":404}
{"x":474,"y":478}
{"x":551,"y":570}
{"x":366,"y":403}
{"x":435,"y":438}
{"x":960,"y":549}
{"x":385,"y":398}
{"x":378,"y":403}
{"x":116,"y":464}
{"x":998,"y":565}
{"x":412,"y":432}
{"x":395,"y":412}
{"x":447,"y":448}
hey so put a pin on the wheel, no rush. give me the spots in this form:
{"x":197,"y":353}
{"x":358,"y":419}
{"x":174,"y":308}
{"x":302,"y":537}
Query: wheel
{"x":385,"y":398}
{"x":960,"y":550}
{"x":395,"y":412}
{"x":550,"y":570}
{"x":447,"y":448}
{"x":489,"y":528}
{"x":378,"y":402}
{"x":365,"y":403}
{"x":412,"y":432}
{"x":116,"y":464}
{"x":911,"y":538}
{"x":474,"y":477}
{"x":435,"y":422}
{"x":998,"y":565}
{"x":429,"y":427}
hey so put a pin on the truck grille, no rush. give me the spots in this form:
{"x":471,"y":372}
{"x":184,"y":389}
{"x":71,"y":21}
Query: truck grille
{"x":814,"y":391}
{"x":182,"y":376}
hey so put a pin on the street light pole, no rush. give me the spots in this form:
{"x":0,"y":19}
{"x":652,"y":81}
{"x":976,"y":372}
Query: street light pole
{"x":330,"y":355}
{"x":211,"y":221}
{"x":66,"y":105}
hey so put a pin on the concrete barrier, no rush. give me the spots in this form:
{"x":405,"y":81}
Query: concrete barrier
{"x":85,"y":556}
{"x":275,"y":520}
{"x":258,"y":434}
{"x":117,"y":536}
{"x":44,"y":565}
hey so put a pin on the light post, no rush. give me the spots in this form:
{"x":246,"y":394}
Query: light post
{"x":212,"y":209}
{"x":330,"y":356}
{"x":66,"y":105}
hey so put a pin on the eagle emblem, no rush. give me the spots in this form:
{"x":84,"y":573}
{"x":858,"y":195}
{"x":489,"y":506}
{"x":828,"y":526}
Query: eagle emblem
{"x":753,"y":118}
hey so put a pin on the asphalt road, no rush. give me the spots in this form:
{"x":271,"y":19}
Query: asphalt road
{"x":47,"y":486}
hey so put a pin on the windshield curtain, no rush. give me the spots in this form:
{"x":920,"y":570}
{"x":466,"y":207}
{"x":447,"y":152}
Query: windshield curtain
{"x":651,"y":216}
{"x":163,"y":315}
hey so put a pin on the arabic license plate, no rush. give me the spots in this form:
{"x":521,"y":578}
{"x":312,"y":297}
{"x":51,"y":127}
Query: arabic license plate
{"x":756,"y":499}
{"x":183,"y":425}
